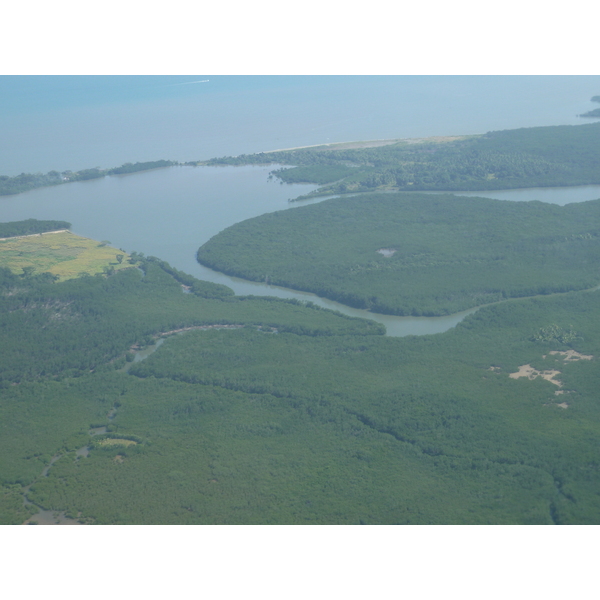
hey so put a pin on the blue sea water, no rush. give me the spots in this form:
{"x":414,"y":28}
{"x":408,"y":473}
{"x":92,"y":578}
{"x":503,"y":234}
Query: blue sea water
{"x":77,"y":122}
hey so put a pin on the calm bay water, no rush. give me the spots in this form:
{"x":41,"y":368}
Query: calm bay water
{"x":82,"y":122}
{"x":171,"y":212}
{"x":74,"y":123}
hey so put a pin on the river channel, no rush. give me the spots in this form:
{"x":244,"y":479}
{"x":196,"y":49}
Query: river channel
{"x":54,"y":517}
{"x":170,"y":213}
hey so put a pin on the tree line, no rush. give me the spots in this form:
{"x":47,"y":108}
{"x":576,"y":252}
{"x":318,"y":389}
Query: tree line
{"x":531,"y":157}
{"x":29,"y":181}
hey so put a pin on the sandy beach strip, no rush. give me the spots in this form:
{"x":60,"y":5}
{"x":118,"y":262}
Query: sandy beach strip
{"x":373,"y":143}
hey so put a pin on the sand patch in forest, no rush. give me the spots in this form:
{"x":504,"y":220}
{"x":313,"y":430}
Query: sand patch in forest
{"x":387,"y":252}
{"x":531,"y":373}
{"x":572,"y":356}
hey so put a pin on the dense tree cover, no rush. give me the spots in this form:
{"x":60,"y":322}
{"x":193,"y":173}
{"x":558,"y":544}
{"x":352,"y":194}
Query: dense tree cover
{"x":450,"y":253}
{"x":319,"y":174}
{"x":205,"y":289}
{"x":29,"y":181}
{"x":85,"y":324}
{"x":304,"y":415}
{"x":243,"y":426}
{"x":141,"y":166}
{"x":53,"y":336}
{"x":31,"y":226}
{"x":595,"y":113}
{"x":532,"y":157}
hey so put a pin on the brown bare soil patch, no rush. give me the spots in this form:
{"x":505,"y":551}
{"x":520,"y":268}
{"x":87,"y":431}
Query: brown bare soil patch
{"x":202,"y":327}
{"x":531,"y":373}
{"x":572,"y":356}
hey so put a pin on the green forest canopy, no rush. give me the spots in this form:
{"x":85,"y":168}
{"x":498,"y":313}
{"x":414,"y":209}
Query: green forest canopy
{"x":416,"y":254}
{"x":29,"y":181}
{"x":31,"y":227}
{"x":530,"y":157}
{"x":271,"y":411}
{"x":517,"y":158}
{"x":300,"y":416}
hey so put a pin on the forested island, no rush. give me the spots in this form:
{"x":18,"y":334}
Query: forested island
{"x":564,"y":155}
{"x":519,"y":158}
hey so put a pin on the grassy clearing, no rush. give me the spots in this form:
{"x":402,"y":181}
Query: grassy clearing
{"x":116,"y":442}
{"x":64,"y":254}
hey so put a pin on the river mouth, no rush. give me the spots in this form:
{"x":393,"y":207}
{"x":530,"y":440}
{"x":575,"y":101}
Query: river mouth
{"x":204,"y":201}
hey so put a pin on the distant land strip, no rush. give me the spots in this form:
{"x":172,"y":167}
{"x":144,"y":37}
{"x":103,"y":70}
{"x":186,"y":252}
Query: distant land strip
{"x":551,"y":156}
{"x":30,"y":181}
{"x":374,"y":143}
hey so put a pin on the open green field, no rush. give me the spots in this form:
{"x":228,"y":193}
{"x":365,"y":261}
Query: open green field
{"x":63,"y":254}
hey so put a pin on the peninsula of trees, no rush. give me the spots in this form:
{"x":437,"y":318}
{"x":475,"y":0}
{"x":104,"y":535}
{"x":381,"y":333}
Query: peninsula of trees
{"x":416,"y":254}
{"x":29,"y":181}
{"x":519,"y":158}
{"x":594,"y":113}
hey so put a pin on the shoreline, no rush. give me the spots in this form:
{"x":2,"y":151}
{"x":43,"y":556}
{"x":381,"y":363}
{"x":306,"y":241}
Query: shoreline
{"x":373,"y":143}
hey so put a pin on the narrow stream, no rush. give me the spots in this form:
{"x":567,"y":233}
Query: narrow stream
{"x":46,"y":517}
{"x":53,"y":517}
